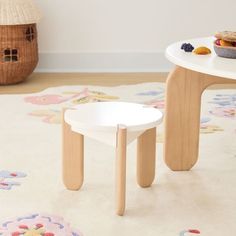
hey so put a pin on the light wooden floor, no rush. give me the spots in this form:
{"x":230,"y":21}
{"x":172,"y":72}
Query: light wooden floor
{"x":40,"y":81}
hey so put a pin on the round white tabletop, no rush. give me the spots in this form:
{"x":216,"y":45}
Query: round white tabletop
{"x":208,"y":64}
{"x":105,"y":116}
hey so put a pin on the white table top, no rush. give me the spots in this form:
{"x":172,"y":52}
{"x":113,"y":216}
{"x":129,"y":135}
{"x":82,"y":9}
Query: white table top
{"x":105,"y":116}
{"x":208,"y":64}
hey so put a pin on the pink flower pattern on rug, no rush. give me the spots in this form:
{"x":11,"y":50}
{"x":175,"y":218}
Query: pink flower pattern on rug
{"x":159,"y":104}
{"x":225,"y":106}
{"x":83,"y":96}
{"x":53,"y":116}
{"x":49,"y":99}
{"x":37,"y":225}
{"x":48,"y":116}
{"x":6,"y":184}
{"x":189,"y":232}
{"x":226,"y":112}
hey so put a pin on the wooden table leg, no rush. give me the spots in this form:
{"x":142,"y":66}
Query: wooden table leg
{"x":73,"y":157}
{"x":182,"y":116}
{"x":121,"y":142}
{"x":146,"y":157}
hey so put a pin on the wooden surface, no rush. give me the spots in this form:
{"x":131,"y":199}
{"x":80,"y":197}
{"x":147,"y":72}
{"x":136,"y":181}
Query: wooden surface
{"x":182,"y":116}
{"x":40,"y":81}
{"x":146,"y":157}
{"x":73,"y":158}
{"x":121,"y":169}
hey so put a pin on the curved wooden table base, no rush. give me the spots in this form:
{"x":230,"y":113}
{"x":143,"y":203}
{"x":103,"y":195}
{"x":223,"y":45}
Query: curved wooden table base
{"x":182,"y":117}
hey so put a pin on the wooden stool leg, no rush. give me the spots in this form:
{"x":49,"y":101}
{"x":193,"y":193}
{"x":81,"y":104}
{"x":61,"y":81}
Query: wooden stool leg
{"x":121,"y":142}
{"x":146,"y":158}
{"x":182,"y":116}
{"x":73,"y":158}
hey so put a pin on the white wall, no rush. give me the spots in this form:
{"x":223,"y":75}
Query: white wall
{"x":116,"y":35}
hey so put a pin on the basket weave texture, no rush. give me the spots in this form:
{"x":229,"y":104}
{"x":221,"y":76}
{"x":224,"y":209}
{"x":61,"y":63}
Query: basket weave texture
{"x":18,"y":43}
{"x":18,"y":12}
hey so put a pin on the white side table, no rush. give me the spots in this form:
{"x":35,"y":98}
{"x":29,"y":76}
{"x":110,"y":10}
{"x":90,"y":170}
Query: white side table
{"x":116,"y":124}
{"x":185,"y":84}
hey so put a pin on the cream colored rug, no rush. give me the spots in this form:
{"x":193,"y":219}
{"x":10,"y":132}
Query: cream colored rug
{"x":201,"y":201}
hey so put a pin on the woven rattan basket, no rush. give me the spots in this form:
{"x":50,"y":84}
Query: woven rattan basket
{"x":18,"y":40}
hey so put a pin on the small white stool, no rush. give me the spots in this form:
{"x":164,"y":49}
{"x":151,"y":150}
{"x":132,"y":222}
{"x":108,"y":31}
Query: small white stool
{"x":116,"y":124}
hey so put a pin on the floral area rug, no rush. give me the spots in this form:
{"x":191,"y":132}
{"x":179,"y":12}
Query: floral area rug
{"x":37,"y":225}
{"x":201,"y":201}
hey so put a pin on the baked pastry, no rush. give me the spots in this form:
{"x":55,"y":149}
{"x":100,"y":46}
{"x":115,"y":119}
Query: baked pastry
{"x":229,"y":36}
{"x":225,"y":44}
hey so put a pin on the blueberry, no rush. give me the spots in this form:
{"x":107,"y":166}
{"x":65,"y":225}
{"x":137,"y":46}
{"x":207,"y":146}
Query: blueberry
{"x":187,"y":47}
{"x":183,"y":45}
